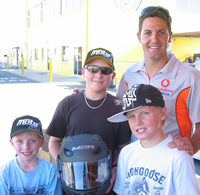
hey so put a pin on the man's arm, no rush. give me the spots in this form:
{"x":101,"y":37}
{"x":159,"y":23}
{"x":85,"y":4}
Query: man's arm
{"x":54,"y":146}
{"x":195,"y":139}
{"x":122,"y":88}
{"x":191,"y":146}
{"x":114,"y":169}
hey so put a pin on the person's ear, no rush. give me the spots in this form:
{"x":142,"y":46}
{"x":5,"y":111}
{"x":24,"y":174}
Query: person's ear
{"x":12,"y":143}
{"x":170,"y":37}
{"x":164,"y":113}
{"x":139,"y":37}
{"x":113,"y":75}
{"x":42,"y":143}
{"x":83,"y":71}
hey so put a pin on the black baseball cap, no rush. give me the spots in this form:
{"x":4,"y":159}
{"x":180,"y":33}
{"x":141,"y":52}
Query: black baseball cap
{"x":139,"y":95}
{"x":100,"y":53}
{"x":26,"y":123}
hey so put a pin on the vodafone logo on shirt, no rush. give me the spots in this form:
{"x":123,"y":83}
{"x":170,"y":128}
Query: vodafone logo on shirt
{"x":165,"y":83}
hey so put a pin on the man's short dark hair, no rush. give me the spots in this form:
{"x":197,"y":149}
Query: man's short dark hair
{"x":158,"y":14}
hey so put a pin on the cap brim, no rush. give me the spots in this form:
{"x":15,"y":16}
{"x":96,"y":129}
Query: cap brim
{"x":26,"y":130}
{"x":120,"y":117}
{"x":97,"y":57}
{"x":117,"y":118}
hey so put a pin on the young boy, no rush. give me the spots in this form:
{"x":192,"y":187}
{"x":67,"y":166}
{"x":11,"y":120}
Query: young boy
{"x":87,"y":112}
{"x":148,"y":165}
{"x":28,"y":173}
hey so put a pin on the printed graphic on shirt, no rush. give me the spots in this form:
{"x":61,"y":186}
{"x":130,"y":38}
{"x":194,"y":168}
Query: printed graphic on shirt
{"x":117,"y":102}
{"x":42,"y":190}
{"x":143,"y":181}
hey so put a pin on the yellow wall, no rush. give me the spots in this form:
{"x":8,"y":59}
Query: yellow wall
{"x":183,"y":47}
{"x":63,"y":68}
{"x":129,"y":58}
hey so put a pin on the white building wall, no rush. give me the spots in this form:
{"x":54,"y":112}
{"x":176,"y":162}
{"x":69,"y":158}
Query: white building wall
{"x":111,"y":24}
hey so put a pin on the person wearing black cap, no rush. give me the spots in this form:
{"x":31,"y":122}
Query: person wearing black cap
{"x":148,"y":165}
{"x":28,"y":173}
{"x":87,"y":112}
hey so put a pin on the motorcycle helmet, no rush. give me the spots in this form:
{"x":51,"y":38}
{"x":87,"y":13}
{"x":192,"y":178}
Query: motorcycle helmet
{"x":85,"y":164}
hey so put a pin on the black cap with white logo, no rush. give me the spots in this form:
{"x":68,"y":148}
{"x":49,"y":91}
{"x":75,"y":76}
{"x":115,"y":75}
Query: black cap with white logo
{"x":139,"y":95}
{"x":26,"y":123}
{"x":100,"y":53}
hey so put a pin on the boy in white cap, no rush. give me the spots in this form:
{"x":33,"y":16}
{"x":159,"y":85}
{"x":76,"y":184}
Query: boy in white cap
{"x":148,"y":165}
{"x":28,"y":173}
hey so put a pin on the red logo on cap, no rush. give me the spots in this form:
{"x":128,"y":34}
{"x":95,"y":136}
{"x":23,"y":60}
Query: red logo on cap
{"x":165,"y":83}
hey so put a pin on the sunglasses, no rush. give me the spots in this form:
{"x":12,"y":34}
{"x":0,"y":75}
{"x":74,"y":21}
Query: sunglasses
{"x":151,"y":8}
{"x":95,"y":69}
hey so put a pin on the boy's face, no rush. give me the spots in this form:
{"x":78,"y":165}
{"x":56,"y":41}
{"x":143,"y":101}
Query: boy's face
{"x":98,"y":82}
{"x":146,"y":124}
{"x":154,"y":38}
{"x":27,"y":146}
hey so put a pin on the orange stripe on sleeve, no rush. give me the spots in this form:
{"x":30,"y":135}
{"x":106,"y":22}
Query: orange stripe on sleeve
{"x":182,"y":113}
{"x":126,"y":84}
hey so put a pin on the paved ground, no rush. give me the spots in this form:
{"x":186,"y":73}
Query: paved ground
{"x":31,"y":76}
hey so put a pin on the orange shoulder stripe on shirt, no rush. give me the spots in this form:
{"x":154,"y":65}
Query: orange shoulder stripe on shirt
{"x":126,"y":84}
{"x":182,"y":113}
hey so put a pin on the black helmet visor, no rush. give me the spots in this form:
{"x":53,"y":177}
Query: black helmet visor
{"x":85,"y":175}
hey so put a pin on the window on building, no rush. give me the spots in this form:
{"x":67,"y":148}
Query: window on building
{"x":53,"y":8}
{"x":182,"y":5}
{"x":49,"y":10}
{"x":188,"y":6}
{"x":36,"y":20}
{"x":34,"y":16}
{"x":42,"y":54}
{"x":67,"y":6}
{"x":45,"y":13}
{"x":77,"y":60}
{"x":65,"y":54}
{"x":42,"y":13}
{"x":83,"y":3}
{"x":29,"y":19}
{"x":77,"y":4}
{"x":194,"y":6}
{"x":36,"y":54}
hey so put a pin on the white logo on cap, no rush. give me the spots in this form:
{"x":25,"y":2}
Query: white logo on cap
{"x":148,"y":100}
{"x":99,"y":52}
{"x":29,"y":122}
{"x":129,"y":97}
{"x":102,"y":53}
